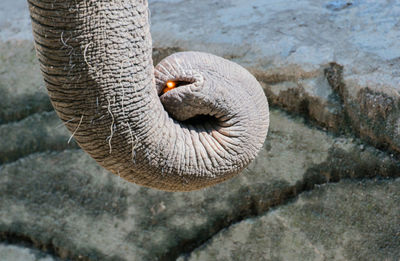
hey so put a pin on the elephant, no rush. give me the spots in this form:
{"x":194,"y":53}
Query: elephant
{"x":192,"y":121}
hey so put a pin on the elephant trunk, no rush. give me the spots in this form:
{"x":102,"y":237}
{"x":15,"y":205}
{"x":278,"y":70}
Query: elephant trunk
{"x":95,"y":57}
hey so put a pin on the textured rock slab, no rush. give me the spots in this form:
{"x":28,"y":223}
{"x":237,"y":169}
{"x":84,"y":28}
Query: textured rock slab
{"x":15,"y":22}
{"x":352,"y":220}
{"x":21,"y":85}
{"x":20,"y":253}
{"x":66,"y":202}
{"x":36,"y":133}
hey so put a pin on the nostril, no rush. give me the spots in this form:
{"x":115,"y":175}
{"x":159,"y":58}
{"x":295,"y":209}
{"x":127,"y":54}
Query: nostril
{"x":170,"y":85}
{"x":201,"y":120}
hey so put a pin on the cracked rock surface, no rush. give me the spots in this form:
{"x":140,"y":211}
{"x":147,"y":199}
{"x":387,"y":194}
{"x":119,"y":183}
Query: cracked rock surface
{"x":343,"y":221}
{"x":15,"y":253}
{"x":324,"y":187}
{"x":66,"y":201}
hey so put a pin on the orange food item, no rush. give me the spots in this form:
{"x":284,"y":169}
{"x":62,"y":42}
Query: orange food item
{"x":169,"y":86}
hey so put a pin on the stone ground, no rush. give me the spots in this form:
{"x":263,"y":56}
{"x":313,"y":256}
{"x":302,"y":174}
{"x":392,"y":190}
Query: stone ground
{"x":326,"y":185}
{"x":11,"y":252}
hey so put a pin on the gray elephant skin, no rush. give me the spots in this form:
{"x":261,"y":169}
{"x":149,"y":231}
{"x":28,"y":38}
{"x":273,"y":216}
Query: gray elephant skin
{"x":96,"y":61}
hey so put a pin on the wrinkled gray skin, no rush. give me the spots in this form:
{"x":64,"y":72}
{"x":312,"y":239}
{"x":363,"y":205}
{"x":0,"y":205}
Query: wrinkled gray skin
{"x":96,"y":61}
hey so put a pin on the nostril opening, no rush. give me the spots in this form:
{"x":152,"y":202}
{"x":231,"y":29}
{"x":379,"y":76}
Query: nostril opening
{"x":201,"y":120}
{"x":172,"y":84}
{"x":181,"y":83}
